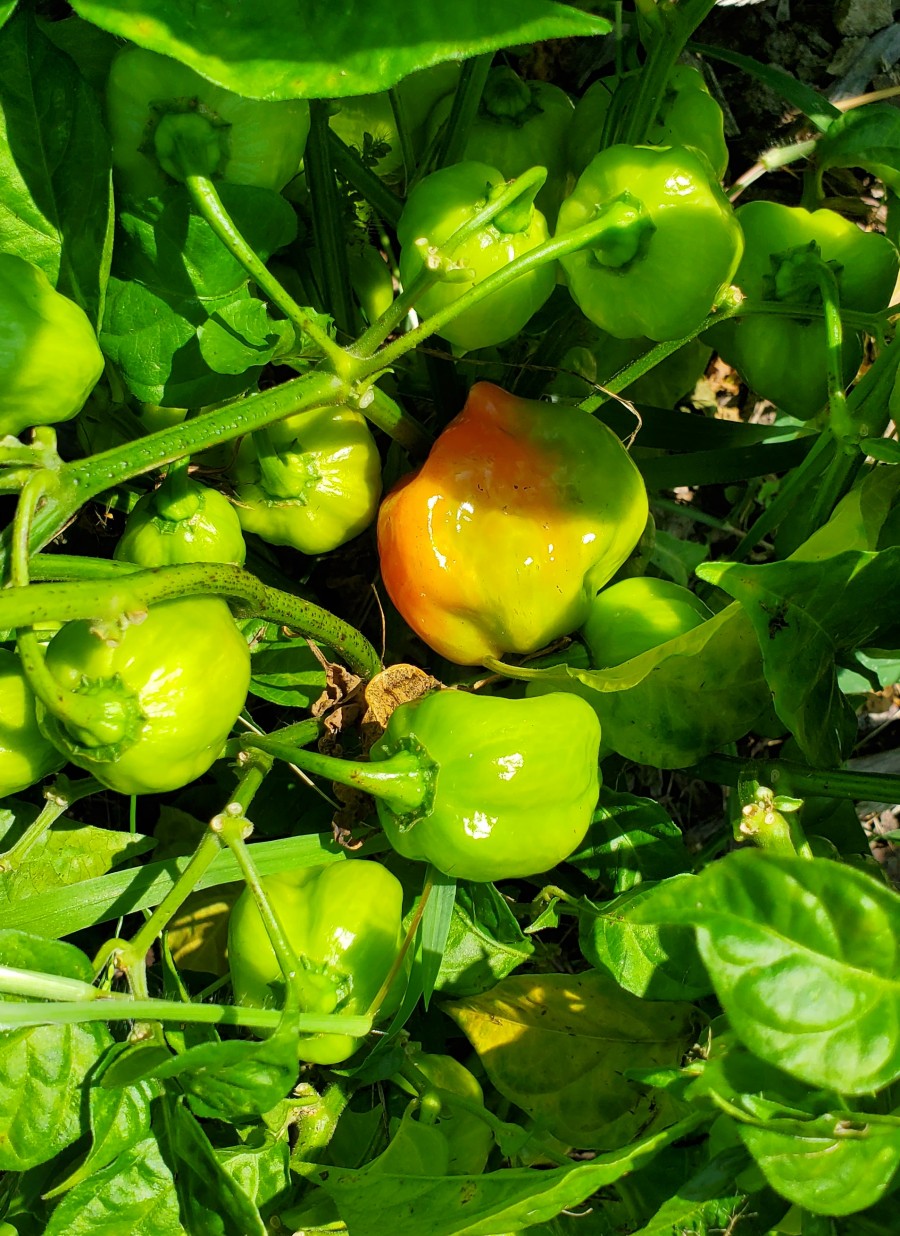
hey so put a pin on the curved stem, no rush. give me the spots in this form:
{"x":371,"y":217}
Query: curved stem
{"x":403,"y":781}
{"x":523,"y":186}
{"x":206,"y":198}
{"x":134,"y":592}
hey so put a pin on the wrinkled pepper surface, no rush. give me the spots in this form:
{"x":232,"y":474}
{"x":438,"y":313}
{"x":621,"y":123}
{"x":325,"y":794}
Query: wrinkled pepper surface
{"x":521,"y":513}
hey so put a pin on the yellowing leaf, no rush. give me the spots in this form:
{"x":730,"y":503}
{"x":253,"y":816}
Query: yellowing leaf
{"x":558,"y":1045}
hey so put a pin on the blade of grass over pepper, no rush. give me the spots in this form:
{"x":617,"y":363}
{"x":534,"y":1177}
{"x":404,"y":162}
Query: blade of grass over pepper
{"x":132,"y":593}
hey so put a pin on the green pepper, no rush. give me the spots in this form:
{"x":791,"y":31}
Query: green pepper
{"x":672,"y":246}
{"x":688,"y":115}
{"x":519,"y":124}
{"x":509,"y":785}
{"x":783,"y":358}
{"x":312,"y":481}
{"x":469,"y":1138}
{"x":165,"y":692}
{"x":25,"y":754}
{"x":343,"y":920}
{"x":636,"y":615}
{"x":50,"y":360}
{"x":434,"y":210}
{"x":159,"y":111}
{"x":502,"y":537}
{"x":182,"y":521}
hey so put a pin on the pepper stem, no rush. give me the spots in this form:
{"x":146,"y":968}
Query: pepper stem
{"x":402,"y":781}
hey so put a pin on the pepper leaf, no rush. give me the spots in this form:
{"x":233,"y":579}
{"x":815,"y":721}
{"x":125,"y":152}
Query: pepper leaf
{"x":55,"y":187}
{"x":558,"y":1045}
{"x":289,"y":49}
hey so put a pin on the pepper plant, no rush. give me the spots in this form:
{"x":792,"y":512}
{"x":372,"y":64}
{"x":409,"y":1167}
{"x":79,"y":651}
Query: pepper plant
{"x":430,"y":735}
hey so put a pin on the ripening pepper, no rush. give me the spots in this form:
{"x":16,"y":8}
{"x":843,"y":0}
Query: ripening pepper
{"x":518,"y":124}
{"x":50,"y":360}
{"x":182,"y":521}
{"x":312,"y":481}
{"x":344,"y":922}
{"x":672,"y":245}
{"x":688,"y":115}
{"x":783,"y":358}
{"x":166,"y":691}
{"x":521,"y":513}
{"x":25,"y":754}
{"x":509,"y":785}
{"x":434,"y":210}
{"x":638,"y":614}
{"x":159,"y":110}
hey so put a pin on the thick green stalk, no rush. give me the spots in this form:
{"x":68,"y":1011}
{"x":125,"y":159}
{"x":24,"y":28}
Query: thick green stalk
{"x":133,"y":593}
{"x":78,"y":482}
{"x":403,"y":781}
{"x":785,"y":776}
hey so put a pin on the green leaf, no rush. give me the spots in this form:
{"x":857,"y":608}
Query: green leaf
{"x":630,"y":840}
{"x":55,"y":187}
{"x":788,"y":944}
{"x":212,"y":1200}
{"x":119,"y":1119}
{"x":22,"y":951}
{"x":502,"y":1201}
{"x":136,"y":1193}
{"x":803,"y":612}
{"x":67,"y":854}
{"x":236,"y":1080}
{"x":287,"y":673}
{"x":7,"y":9}
{"x":239,"y":327}
{"x":180,"y":321}
{"x":676,"y":703}
{"x":558,"y":1046}
{"x":484,"y":943}
{"x":436,"y":921}
{"x":652,"y":960}
{"x":885,"y":449}
{"x":867,"y":137}
{"x":835,"y":1164}
{"x":42,"y":1075}
{"x":708,"y":1202}
{"x":290,"y":49}
{"x":261,"y":1172}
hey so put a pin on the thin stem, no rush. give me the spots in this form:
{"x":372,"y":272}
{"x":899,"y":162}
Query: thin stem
{"x":390,"y":418}
{"x":327,"y":219}
{"x":452,"y":141}
{"x":403,"y":781}
{"x":125,"y":1008}
{"x":528,"y":183}
{"x":399,"y":960}
{"x":205,"y":197}
{"x":797,"y":484}
{"x":134,"y":593}
{"x":834,"y":334}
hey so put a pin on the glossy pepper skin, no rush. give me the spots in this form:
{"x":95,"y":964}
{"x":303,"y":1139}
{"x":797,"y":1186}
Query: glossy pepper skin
{"x":153,"y":102}
{"x":521,"y":512}
{"x":182,"y":521}
{"x":312,"y":481}
{"x":445,"y":201}
{"x":343,"y":921}
{"x":519,"y":124}
{"x":513,"y":782}
{"x":784,"y":358}
{"x":638,"y":614}
{"x":688,"y":115}
{"x":25,"y":754}
{"x":672,"y":247}
{"x":178,"y":681}
{"x":50,"y":360}
{"x":469,"y":1139}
